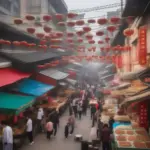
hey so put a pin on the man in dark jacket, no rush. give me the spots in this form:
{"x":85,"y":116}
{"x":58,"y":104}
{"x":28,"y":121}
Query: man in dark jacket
{"x":105,"y":137}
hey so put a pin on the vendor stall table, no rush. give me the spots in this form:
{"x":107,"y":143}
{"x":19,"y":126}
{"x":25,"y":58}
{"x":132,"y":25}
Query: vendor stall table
{"x":128,"y":138}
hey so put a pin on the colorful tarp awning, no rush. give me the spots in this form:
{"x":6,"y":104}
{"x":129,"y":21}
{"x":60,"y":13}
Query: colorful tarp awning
{"x":32,"y":87}
{"x":54,"y":74}
{"x":14,"y":104}
{"x":9,"y":76}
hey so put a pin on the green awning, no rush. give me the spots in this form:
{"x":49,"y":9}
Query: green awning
{"x":14,"y":104}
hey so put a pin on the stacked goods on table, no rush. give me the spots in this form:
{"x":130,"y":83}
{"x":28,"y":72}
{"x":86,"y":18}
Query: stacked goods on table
{"x":123,"y":118}
{"x":109,"y":110}
{"x":57,"y":103}
{"x":127,"y":137}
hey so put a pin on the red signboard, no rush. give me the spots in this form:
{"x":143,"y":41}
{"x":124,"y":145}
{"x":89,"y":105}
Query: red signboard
{"x":143,"y":114}
{"x":142,"y":45}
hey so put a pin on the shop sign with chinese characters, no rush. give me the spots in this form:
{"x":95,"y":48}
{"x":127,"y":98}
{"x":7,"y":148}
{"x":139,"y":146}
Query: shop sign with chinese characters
{"x":142,"y":45}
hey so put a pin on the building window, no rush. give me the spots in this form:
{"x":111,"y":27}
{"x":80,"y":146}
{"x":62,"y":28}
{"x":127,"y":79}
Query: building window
{"x":5,"y":4}
{"x":34,"y":6}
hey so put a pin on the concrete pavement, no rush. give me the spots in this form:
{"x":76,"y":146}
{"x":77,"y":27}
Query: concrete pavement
{"x":83,"y":127}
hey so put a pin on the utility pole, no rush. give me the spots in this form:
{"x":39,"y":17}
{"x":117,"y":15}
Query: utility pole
{"x":121,"y":6}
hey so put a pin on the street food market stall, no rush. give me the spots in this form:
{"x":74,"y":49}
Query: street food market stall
{"x":12,"y":107}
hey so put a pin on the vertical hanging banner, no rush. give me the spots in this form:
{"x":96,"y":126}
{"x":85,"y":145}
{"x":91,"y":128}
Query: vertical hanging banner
{"x":142,"y":45}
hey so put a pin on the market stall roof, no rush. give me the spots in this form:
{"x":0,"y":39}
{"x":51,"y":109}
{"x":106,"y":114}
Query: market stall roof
{"x":32,"y":87}
{"x":71,"y":81}
{"x":55,"y":74}
{"x":131,"y":75}
{"x":122,"y":85}
{"x":10,"y":75}
{"x":4,"y":63}
{"x":27,"y":60}
{"x":137,"y":98}
{"x":14,"y":104}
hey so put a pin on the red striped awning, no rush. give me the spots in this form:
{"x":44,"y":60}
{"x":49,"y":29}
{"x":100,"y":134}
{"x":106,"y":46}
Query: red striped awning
{"x":10,"y":75}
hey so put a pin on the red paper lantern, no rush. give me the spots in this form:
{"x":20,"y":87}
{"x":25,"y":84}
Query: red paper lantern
{"x":59,"y":34}
{"x":7,"y":42}
{"x":47,"y":18}
{"x":102,"y":21}
{"x":23,"y":43}
{"x":86,"y":29}
{"x":100,"y":42}
{"x":128,"y":32}
{"x":91,"y":42}
{"x":47,"y":37}
{"x":40,"y":35}
{"x":107,"y":39}
{"x":71,"y":24}
{"x":62,"y":24}
{"x":80,"y":33}
{"x":89,"y":36}
{"x":80,"y":22}
{"x":2,"y":41}
{"x":111,"y":28}
{"x":71,"y":15}
{"x":80,"y":40}
{"x":99,"y":33}
{"x":91,"y":21}
{"x":31,"y":30}
{"x":47,"y":29}
{"x":16,"y":43}
{"x":30,"y":17}
{"x":32,"y":44}
{"x":70,"y":34}
{"x":43,"y":42}
{"x":59,"y":16}
{"x":115,"y":20}
{"x":18,"y":21}
{"x":69,"y":40}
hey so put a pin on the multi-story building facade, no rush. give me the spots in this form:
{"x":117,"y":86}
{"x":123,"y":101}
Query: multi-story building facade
{"x":10,"y":7}
{"x":43,"y":7}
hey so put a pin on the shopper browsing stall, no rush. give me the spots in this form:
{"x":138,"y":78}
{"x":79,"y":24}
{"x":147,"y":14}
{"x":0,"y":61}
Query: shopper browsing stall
{"x":7,"y":136}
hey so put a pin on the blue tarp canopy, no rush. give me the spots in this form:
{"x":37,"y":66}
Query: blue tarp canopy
{"x":32,"y":87}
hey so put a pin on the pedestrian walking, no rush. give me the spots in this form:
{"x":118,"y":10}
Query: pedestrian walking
{"x":74,"y":105}
{"x":29,"y":130}
{"x":66,"y":130}
{"x":111,"y":122}
{"x":79,"y":108}
{"x":40,"y":115}
{"x":71,"y":122}
{"x":93,"y":111}
{"x":105,"y":137}
{"x":55,"y":122}
{"x":7,"y":136}
{"x":43,"y":123}
{"x":49,"y":129}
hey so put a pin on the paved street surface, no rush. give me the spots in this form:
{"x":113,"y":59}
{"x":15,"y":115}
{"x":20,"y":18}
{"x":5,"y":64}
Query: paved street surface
{"x":59,"y":142}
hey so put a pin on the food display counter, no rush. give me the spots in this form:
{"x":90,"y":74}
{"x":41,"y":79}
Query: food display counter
{"x":128,"y":138}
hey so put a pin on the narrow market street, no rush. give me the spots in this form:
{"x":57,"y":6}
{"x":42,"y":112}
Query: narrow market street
{"x":83,"y":127}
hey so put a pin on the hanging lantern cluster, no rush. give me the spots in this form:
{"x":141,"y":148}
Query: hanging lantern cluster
{"x":5,"y":42}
